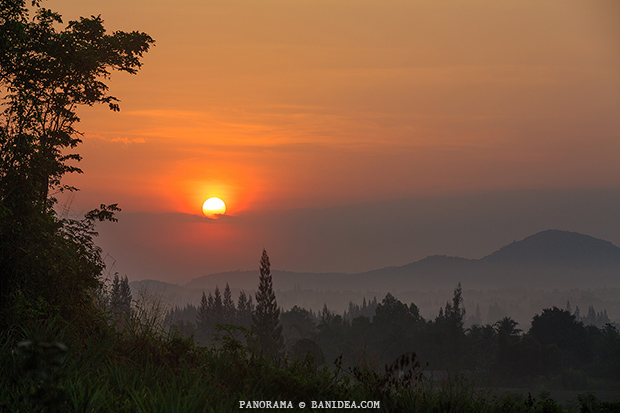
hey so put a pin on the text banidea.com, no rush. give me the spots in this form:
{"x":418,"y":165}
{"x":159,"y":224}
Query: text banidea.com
{"x":321,"y":404}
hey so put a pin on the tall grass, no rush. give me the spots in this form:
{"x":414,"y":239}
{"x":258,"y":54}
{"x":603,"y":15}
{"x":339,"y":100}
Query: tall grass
{"x":48,"y":366}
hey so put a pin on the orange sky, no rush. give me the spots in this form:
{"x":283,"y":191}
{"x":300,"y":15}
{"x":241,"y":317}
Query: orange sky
{"x":276,"y":105}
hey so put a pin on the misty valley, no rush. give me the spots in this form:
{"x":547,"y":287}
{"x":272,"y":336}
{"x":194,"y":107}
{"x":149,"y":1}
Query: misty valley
{"x":550,"y":268}
{"x":525,"y":336}
{"x":267,"y":339}
{"x":333,"y":135}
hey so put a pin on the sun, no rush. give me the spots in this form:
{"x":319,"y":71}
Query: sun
{"x":213,"y":207}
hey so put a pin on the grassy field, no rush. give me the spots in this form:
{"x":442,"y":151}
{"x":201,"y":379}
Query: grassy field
{"x":48,"y":366}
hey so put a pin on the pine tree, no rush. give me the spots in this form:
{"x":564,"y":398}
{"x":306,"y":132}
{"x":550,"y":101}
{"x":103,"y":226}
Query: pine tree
{"x":455,"y":312}
{"x":202,"y":315}
{"x":245,"y":308}
{"x":228,"y":306}
{"x":218,"y":307}
{"x":126,"y":296}
{"x":120,"y":300}
{"x":326,"y":315}
{"x":265,"y":321}
{"x":591,"y":317}
{"x":449,"y":328}
{"x":202,"y":318}
{"x":116,"y":292}
{"x":241,"y":309}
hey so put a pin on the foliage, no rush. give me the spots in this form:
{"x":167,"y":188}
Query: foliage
{"x":48,"y":264}
{"x":151,"y":372}
{"x":144,"y":367}
{"x":447,"y":332}
{"x":265,"y":320}
{"x":120,"y":300}
{"x":47,"y":74}
{"x":559,"y":328}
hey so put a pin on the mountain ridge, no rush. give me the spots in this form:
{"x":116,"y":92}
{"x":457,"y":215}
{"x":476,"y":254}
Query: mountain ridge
{"x":506,"y":276}
{"x":546,"y":259}
{"x":556,"y":245}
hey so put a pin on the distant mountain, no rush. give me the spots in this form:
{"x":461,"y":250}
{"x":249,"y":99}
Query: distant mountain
{"x":431,"y":273}
{"x":548,"y":259}
{"x":557,"y":248}
{"x":566,"y":265}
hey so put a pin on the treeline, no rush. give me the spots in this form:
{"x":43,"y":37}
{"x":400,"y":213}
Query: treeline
{"x":592,"y":317}
{"x":557,"y":344}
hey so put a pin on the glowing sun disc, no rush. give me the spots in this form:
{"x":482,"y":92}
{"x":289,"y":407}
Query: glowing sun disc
{"x":213,"y":206}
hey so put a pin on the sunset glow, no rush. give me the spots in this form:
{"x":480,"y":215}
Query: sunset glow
{"x":277,"y":106}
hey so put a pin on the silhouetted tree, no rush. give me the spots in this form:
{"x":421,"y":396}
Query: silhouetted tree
{"x":120,"y":300}
{"x":269,"y":341}
{"x":228,"y":306}
{"x":245,"y":308}
{"x":455,"y":312}
{"x":297,"y":323}
{"x":217,"y":309}
{"x":447,"y":331}
{"x":212,"y":311}
{"x":367,"y":309}
{"x":183,"y":319}
{"x":476,"y":318}
{"x":396,"y":327}
{"x":557,"y":327}
{"x":202,"y":318}
{"x":482,"y":347}
{"x":593,"y":318}
{"x":507,"y":329}
{"x":607,"y":353}
{"x":333,"y":335}
{"x":46,"y":263}
{"x":326,"y":315}
{"x":507,"y":336}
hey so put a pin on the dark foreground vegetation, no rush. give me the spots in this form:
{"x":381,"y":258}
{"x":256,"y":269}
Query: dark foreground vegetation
{"x":68,"y":342}
{"x":49,"y":366}
{"x":556,"y":347}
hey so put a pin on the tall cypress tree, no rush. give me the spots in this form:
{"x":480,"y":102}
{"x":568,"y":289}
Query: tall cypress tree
{"x":228,"y":306}
{"x":265,"y":321}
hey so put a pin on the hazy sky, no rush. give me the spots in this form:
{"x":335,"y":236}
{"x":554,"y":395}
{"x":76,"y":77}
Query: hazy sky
{"x":351,"y":134}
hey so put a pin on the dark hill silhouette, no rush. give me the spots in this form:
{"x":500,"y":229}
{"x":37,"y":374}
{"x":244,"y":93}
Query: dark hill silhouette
{"x":435,"y":271}
{"x":555,"y":247}
{"x":548,"y":259}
